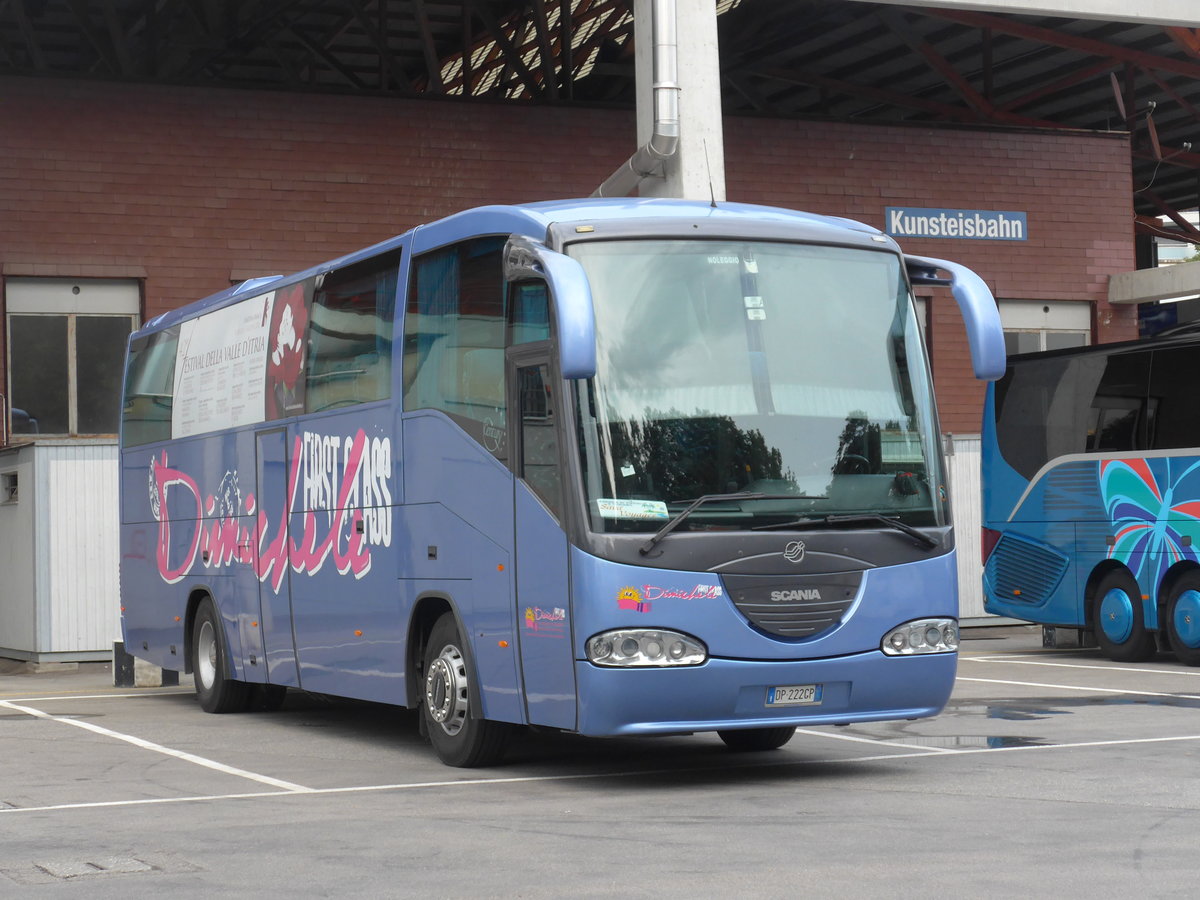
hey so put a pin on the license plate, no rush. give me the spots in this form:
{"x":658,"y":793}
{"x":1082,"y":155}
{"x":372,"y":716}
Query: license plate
{"x":794,"y":695}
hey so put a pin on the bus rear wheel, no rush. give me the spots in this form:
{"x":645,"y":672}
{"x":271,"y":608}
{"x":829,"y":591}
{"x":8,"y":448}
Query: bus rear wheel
{"x":216,"y":691}
{"x":1118,"y":621}
{"x":1183,"y":619}
{"x":756,"y":739}
{"x":458,"y":738}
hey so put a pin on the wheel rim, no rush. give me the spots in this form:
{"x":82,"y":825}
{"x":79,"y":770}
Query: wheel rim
{"x":206,"y":654}
{"x":1116,"y":616}
{"x":446,"y":690}
{"x":1186,"y":618}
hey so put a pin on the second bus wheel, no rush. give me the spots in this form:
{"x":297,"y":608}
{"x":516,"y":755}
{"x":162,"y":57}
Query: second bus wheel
{"x":457,"y":738}
{"x":216,"y":691}
{"x":755,"y":739}
{"x":1183,"y":619}
{"x":1118,"y":621}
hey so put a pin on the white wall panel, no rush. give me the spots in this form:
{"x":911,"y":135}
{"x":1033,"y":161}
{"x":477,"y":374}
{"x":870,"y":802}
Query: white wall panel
{"x":79,"y":606}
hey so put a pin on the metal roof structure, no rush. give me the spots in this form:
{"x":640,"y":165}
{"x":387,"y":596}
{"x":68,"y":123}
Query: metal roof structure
{"x":822,"y":59}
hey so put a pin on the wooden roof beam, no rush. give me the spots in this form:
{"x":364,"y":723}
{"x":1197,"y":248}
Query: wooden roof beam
{"x":1085,"y":45}
{"x":511,"y":56}
{"x":541,"y":23}
{"x":433,"y":64}
{"x":31,"y":44}
{"x":895,"y":23}
{"x":388,"y":64}
{"x":1187,"y":38}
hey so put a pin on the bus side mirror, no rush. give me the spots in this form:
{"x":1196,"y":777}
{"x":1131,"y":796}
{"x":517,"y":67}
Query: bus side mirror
{"x":571,"y":295}
{"x":985,"y":335}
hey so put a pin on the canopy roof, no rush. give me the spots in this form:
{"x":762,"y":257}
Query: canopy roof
{"x":824,"y":59}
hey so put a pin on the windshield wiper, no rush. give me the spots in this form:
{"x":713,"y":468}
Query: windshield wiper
{"x":858,"y":519}
{"x":700,"y":501}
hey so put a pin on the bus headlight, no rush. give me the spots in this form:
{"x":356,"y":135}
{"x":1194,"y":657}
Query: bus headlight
{"x":921,"y":636}
{"x":643,"y":647}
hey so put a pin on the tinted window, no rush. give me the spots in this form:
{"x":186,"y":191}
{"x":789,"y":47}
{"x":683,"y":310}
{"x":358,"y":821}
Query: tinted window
{"x":1115,"y":419}
{"x":40,"y":383}
{"x":1174,"y":422}
{"x":1053,"y":406}
{"x":99,"y":357}
{"x":146,"y":414}
{"x":454,"y":339}
{"x":350,"y":335}
{"x":539,"y":439}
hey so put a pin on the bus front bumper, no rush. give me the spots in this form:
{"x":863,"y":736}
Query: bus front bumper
{"x":726,"y":694}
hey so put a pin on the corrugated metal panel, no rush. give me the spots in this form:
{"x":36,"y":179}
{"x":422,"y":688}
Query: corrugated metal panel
{"x":962,"y":461}
{"x":79,"y":610}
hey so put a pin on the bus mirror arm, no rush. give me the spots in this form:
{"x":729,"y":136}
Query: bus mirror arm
{"x":985,"y":335}
{"x":571,"y":294}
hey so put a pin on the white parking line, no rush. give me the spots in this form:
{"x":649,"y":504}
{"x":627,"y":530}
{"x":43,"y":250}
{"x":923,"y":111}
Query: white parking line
{"x":1073,"y":687}
{"x":585,"y":776}
{"x":833,"y":735}
{"x":1172,"y":670}
{"x":68,"y":696}
{"x":157,"y":748}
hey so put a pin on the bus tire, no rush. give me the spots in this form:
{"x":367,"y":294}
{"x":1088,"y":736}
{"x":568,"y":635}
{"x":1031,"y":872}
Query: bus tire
{"x":1183,"y":618}
{"x":458,"y":739}
{"x":1118,"y":621}
{"x":757,"y":739}
{"x":216,"y":691}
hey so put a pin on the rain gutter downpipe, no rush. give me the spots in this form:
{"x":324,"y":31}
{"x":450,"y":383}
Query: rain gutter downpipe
{"x":664,"y":141}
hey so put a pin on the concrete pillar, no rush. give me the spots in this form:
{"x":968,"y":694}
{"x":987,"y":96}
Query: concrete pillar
{"x":697,"y":171}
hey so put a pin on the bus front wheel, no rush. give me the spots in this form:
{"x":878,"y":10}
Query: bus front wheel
{"x":458,"y":738}
{"x":1118,"y":621}
{"x":216,"y":691}
{"x":1183,"y":619}
{"x":755,"y":739}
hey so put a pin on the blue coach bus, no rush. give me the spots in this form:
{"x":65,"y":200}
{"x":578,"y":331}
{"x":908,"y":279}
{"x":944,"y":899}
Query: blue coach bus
{"x":1091,"y":478}
{"x":614,"y":467}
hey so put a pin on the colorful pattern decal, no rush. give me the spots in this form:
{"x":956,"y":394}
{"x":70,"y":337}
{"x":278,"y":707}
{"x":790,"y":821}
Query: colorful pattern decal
{"x":549,"y":622}
{"x":1149,"y":524}
{"x":348,"y":480}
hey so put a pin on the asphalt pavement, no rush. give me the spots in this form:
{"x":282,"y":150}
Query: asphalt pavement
{"x":1052,"y":772}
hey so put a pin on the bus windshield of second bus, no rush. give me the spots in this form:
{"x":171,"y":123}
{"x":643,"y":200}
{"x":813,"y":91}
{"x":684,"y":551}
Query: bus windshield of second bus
{"x":709,"y":383}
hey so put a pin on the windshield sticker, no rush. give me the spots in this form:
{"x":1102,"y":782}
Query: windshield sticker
{"x":631,"y":598}
{"x":753,"y":302}
{"x":632,"y":509}
{"x":724,"y":260}
{"x":756,"y":314}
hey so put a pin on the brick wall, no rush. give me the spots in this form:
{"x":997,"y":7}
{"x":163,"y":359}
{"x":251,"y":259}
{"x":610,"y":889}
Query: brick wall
{"x":188,"y":188}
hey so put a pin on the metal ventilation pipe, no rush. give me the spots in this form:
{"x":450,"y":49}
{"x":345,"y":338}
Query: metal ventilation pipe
{"x":664,"y":140}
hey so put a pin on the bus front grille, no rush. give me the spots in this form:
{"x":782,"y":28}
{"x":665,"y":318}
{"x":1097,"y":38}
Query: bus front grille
{"x":793,"y":607}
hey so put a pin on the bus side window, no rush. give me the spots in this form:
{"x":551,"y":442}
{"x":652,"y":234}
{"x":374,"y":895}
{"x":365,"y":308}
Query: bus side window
{"x":530,"y":312}
{"x":1173,"y":423}
{"x":350,"y":335}
{"x":454,"y":339}
{"x":1117,"y":420}
{"x":149,"y":389}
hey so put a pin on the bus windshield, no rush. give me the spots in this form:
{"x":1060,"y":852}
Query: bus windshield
{"x":789,"y":370}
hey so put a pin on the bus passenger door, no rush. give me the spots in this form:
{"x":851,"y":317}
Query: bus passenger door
{"x":273,"y":502}
{"x":543,"y":605}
